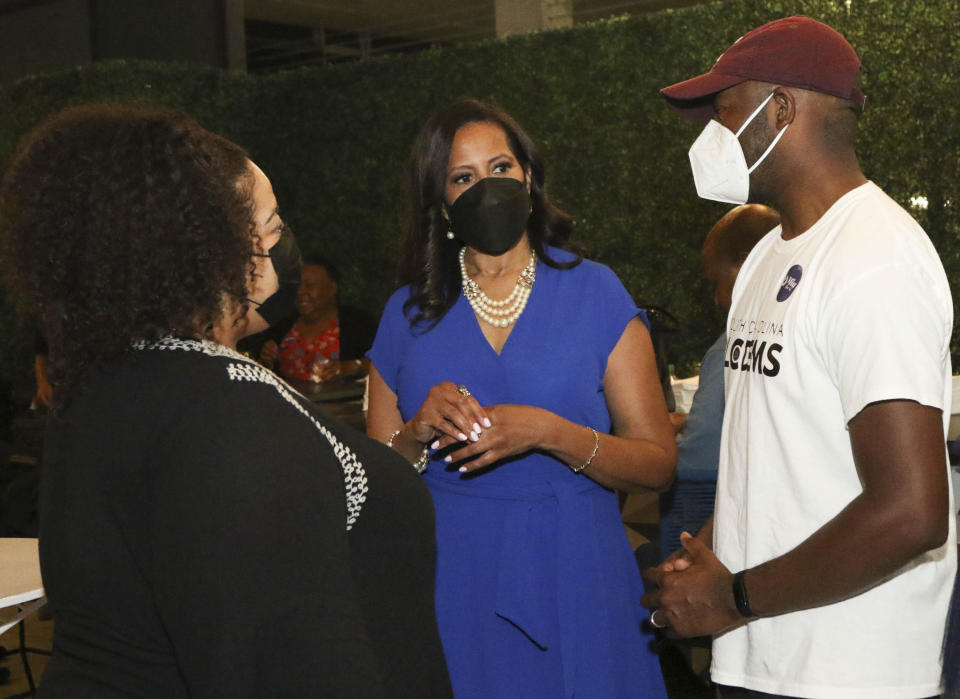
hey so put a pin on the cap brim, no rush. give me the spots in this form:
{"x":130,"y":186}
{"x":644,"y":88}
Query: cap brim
{"x":693,"y":98}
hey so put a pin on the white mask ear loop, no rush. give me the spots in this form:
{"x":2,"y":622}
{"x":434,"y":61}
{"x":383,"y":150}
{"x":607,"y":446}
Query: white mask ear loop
{"x":772,"y":143}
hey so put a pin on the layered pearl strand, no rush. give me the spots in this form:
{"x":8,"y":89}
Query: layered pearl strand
{"x":505,"y":312}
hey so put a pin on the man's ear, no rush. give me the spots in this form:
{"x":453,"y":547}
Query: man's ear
{"x":785,"y":100}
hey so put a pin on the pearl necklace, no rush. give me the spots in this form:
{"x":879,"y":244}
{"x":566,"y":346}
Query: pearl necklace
{"x":505,"y":312}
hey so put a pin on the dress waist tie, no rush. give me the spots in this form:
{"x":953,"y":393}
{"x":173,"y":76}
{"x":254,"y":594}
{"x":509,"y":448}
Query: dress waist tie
{"x":527,"y":538}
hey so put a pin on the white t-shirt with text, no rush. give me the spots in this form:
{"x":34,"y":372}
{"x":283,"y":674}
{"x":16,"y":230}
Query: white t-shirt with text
{"x":855,"y":310}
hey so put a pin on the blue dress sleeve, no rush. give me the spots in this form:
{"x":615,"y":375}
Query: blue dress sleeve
{"x":614,"y":305}
{"x":392,"y":339}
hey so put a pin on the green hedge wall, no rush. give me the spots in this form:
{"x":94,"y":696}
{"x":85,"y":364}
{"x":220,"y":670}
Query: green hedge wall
{"x":334,"y":139}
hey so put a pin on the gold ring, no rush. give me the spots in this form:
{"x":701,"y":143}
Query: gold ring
{"x":653,"y":620}
{"x":462,"y":390}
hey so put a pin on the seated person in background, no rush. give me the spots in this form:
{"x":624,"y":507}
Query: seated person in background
{"x":323,"y":341}
{"x":725,"y":248}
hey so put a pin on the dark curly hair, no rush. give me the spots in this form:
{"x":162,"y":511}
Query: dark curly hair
{"x":124,"y":223}
{"x":429,"y":260}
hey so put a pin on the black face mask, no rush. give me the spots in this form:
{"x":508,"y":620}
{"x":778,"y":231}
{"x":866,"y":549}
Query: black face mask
{"x":491,"y":216}
{"x":286,"y":259}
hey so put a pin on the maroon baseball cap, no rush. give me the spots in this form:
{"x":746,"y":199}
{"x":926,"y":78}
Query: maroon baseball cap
{"x":794,"y":51}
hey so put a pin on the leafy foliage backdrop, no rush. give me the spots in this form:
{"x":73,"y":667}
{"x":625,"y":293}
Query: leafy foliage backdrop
{"x":335,"y":139}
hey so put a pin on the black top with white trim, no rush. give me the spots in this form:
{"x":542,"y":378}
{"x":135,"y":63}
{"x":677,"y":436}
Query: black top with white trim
{"x":206,"y":532}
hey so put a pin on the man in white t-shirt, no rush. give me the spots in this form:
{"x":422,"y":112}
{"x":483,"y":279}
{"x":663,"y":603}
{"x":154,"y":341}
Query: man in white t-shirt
{"x":827,"y":568}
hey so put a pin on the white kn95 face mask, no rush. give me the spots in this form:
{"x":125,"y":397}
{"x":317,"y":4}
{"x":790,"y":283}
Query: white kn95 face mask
{"x":720,"y":170}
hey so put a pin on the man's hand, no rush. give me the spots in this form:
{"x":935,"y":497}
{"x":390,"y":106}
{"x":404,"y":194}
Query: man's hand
{"x":694,"y":599}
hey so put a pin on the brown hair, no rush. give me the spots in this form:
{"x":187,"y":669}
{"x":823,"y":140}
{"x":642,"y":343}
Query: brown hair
{"x":122,"y":224}
{"x":429,"y":262}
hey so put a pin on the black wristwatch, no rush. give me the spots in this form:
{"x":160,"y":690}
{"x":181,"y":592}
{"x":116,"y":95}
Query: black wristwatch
{"x":740,"y":596}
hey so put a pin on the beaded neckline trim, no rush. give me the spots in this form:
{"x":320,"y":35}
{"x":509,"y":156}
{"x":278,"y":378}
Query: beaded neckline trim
{"x":245,"y":369}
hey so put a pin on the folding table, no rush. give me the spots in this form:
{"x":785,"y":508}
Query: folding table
{"x":21,"y":592}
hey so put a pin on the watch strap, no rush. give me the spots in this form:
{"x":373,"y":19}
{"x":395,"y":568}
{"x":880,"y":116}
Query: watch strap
{"x":740,"y":597}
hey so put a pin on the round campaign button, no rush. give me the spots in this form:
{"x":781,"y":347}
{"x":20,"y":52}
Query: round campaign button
{"x":790,"y":282}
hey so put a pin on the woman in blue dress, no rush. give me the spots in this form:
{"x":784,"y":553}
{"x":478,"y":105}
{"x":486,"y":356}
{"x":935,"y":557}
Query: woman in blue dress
{"x":522,"y":378}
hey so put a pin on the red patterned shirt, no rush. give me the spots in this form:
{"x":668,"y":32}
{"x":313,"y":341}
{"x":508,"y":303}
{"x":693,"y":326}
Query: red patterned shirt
{"x":300,"y":358}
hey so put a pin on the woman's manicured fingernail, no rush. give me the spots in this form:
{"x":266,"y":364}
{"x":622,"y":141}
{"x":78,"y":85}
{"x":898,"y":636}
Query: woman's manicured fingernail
{"x":462,"y":437}
{"x":462,"y":469}
{"x":474,"y":437}
{"x":435,"y":445}
{"x":476,"y":428}
{"x":448,"y":459}
{"x":486,"y":422}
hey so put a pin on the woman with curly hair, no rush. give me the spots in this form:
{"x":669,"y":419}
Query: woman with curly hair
{"x":529,"y":373}
{"x":204,"y":531}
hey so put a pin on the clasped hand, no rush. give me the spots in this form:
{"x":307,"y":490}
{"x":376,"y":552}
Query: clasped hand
{"x":490,"y":433}
{"x":694,"y":595}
